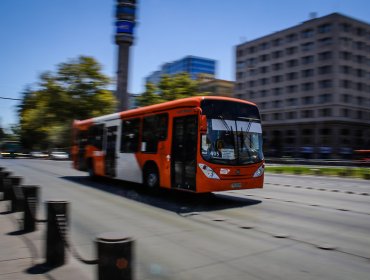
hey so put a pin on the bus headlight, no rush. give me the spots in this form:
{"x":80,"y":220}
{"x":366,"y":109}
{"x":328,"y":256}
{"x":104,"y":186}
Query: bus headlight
{"x":208,"y":171}
{"x":259,"y":171}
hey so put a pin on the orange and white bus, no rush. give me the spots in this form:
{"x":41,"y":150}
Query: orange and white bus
{"x":198,"y":144}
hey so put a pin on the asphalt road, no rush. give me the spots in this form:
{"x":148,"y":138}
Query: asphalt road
{"x":297,"y":227}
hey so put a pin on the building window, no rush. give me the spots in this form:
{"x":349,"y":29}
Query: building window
{"x":325,"y":41}
{"x":263,"y":57}
{"x":251,"y":94}
{"x":291,"y":38}
{"x":324,"y":28}
{"x":346,"y":113}
{"x":263,"y":81}
{"x":346,"y":98}
{"x":327,"y":69}
{"x":360,"y":86}
{"x":360,"y":31}
{"x":277,"y":66}
{"x":307,"y":46}
{"x":292,"y":88}
{"x":292,"y":102}
{"x":308,"y":33}
{"x":277,"y":91}
{"x":325,"y":84}
{"x":291,"y":115}
{"x":251,"y":49}
{"x":307,"y":73}
{"x":264,"y":69}
{"x":325,"y":56}
{"x":264,"y":46}
{"x":278,"y":116}
{"x":292,"y":76}
{"x":307,"y":114}
{"x":325,"y":131}
{"x":360,"y":101}
{"x":346,"y":84}
{"x":345,"y":42}
{"x":277,"y":79}
{"x":360,"y":46}
{"x":345,"y":55}
{"x":276,"y":42}
{"x":325,"y":98}
{"x":326,"y":112}
{"x":307,"y":100}
{"x":307,"y":86}
{"x":277,"y":104}
{"x":345,"y":27}
{"x":277,"y":54}
{"x":360,"y":73}
{"x":251,"y":83}
{"x":307,"y":59}
{"x":344,"y":69}
{"x":292,"y":63}
{"x":291,"y":50}
{"x":263,"y":93}
{"x":360,"y":59}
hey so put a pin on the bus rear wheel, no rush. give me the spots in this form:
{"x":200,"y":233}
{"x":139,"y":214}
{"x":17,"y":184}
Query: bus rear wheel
{"x":151,"y":177}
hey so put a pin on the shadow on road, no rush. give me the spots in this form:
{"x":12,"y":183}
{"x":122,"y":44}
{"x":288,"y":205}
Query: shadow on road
{"x":172,"y":200}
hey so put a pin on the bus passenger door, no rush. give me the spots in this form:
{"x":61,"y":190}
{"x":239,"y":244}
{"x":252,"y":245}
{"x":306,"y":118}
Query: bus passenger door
{"x":110,"y":150}
{"x":184,"y":147}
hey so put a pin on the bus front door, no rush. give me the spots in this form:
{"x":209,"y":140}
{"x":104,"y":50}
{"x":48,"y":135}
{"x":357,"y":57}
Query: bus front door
{"x":184,"y":147}
{"x":110,"y":151}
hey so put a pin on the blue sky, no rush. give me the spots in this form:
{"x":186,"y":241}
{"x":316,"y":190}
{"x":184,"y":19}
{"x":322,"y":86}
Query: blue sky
{"x":39,"y":34}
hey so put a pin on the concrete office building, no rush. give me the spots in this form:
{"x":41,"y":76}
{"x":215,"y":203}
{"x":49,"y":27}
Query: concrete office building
{"x":312,"y":85}
{"x":189,"y":64}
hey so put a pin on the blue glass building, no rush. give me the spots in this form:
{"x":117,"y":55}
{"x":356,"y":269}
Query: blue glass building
{"x":190,"y":64}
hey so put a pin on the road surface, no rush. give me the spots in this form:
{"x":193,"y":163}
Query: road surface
{"x":297,"y":227}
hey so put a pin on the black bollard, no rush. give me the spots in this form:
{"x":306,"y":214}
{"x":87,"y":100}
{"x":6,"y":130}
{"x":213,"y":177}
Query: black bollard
{"x":31,"y":199}
{"x":57,"y":224}
{"x":115,"y":256}
{"x":3,"y":175}
{"x":12,"y":192}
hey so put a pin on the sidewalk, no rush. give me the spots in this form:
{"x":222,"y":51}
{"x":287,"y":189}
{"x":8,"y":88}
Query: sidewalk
{"x":22,"y":254}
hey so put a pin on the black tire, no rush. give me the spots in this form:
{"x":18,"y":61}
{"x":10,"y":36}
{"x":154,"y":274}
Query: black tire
{"x":151,"y":177}
{"x":90,"y":170}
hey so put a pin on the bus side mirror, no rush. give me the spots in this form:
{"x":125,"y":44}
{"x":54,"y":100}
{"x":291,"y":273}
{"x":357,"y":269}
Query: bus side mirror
{"x":203,"y":123}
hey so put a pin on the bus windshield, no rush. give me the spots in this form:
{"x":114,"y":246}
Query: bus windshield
{"x":234,"y":134}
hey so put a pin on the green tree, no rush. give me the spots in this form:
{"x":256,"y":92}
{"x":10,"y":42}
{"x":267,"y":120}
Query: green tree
{"x":77,"y":90}
{"x":169,"y":88}
{"x":150,"y":96}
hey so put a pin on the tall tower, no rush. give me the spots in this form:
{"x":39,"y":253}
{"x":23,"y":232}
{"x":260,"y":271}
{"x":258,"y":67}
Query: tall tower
{"x":125,"y":23}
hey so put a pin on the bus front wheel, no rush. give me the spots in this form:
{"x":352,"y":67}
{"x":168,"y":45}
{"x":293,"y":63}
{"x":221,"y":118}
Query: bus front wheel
{"x":151,"y":177}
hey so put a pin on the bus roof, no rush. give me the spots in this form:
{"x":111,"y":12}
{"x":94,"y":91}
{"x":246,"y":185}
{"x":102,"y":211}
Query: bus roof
{"x":184,"y":102}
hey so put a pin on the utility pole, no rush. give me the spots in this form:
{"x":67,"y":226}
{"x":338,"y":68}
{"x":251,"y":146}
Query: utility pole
{"x":124,"y":37}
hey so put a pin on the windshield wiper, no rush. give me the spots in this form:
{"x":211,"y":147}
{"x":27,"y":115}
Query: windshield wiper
{"x":225,"y":124}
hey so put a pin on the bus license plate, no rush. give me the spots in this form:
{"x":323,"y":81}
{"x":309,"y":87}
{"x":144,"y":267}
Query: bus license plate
{"x":236,"y":185}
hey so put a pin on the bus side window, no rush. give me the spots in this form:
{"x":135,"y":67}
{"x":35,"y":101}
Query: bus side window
{"x":130,"y":136}
{"x":95,"y":136}
{"x":154,"y":130}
